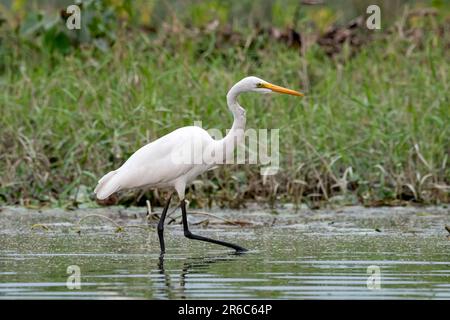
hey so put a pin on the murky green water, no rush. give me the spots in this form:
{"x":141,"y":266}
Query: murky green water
{"x":329,"y":259}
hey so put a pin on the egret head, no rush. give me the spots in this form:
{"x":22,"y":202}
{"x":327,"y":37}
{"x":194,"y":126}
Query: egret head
{"x":255,"y":84}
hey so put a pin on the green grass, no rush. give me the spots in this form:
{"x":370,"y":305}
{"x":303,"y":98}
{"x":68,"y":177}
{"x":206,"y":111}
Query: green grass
{"x":374,"y":126}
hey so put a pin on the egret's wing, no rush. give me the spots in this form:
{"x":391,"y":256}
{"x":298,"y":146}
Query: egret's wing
{"x":159,"y":162}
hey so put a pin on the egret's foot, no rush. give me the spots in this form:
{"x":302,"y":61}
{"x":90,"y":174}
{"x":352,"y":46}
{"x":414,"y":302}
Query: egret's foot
{"x":192,"y":236}
{"x":241,"y":250}
{"x":188,"y":234}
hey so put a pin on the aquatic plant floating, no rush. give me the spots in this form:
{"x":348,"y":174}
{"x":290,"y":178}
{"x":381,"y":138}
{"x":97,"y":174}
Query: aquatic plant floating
{"x":176,"y":159}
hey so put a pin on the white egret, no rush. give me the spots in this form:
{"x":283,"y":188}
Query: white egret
{"x":155,"y":165}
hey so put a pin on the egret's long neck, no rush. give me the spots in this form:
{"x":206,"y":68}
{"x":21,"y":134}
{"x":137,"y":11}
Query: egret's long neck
{"x":236,"y":109}
{"x":236,"y":133}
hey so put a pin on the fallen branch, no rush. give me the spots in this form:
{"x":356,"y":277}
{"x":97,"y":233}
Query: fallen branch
{"x":119,"y":228}
{"x":240,"y":223}
{"x":39,"y":225}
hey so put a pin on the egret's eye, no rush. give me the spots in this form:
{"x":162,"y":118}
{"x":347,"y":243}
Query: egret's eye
{"x":259,"y":85}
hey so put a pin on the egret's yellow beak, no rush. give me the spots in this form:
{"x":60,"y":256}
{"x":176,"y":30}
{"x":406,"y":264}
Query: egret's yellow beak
{"x":281,"y":89}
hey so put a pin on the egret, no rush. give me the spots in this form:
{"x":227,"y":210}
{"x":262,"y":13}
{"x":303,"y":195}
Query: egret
{"x":155,"y":165}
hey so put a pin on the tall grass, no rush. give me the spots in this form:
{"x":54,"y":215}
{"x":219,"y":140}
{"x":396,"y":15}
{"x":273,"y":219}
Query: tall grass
{"x":374,"y":126}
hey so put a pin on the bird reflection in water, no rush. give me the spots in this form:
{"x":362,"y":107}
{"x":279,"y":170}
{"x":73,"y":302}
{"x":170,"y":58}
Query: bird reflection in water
{"x":172,"y":284}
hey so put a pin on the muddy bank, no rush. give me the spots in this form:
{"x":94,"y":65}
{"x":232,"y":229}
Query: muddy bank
{"x":353,"y":219}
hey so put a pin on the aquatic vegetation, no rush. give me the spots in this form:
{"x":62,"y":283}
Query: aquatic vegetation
{"x":373,"y":128}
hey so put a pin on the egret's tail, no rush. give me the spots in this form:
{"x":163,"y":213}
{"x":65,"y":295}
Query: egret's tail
{"x":106,"y":186}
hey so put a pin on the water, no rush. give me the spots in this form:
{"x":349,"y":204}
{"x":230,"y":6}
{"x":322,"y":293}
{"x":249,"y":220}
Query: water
{"x":299,"y":257}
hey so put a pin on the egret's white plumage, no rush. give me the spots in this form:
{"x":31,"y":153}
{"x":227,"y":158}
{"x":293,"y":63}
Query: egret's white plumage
{"x":162,"y":163}
{"x":153,"y":165}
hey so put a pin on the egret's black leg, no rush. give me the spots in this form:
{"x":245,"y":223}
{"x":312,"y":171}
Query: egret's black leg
{"x":161,"y":226}
{"x":189,"y":235}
